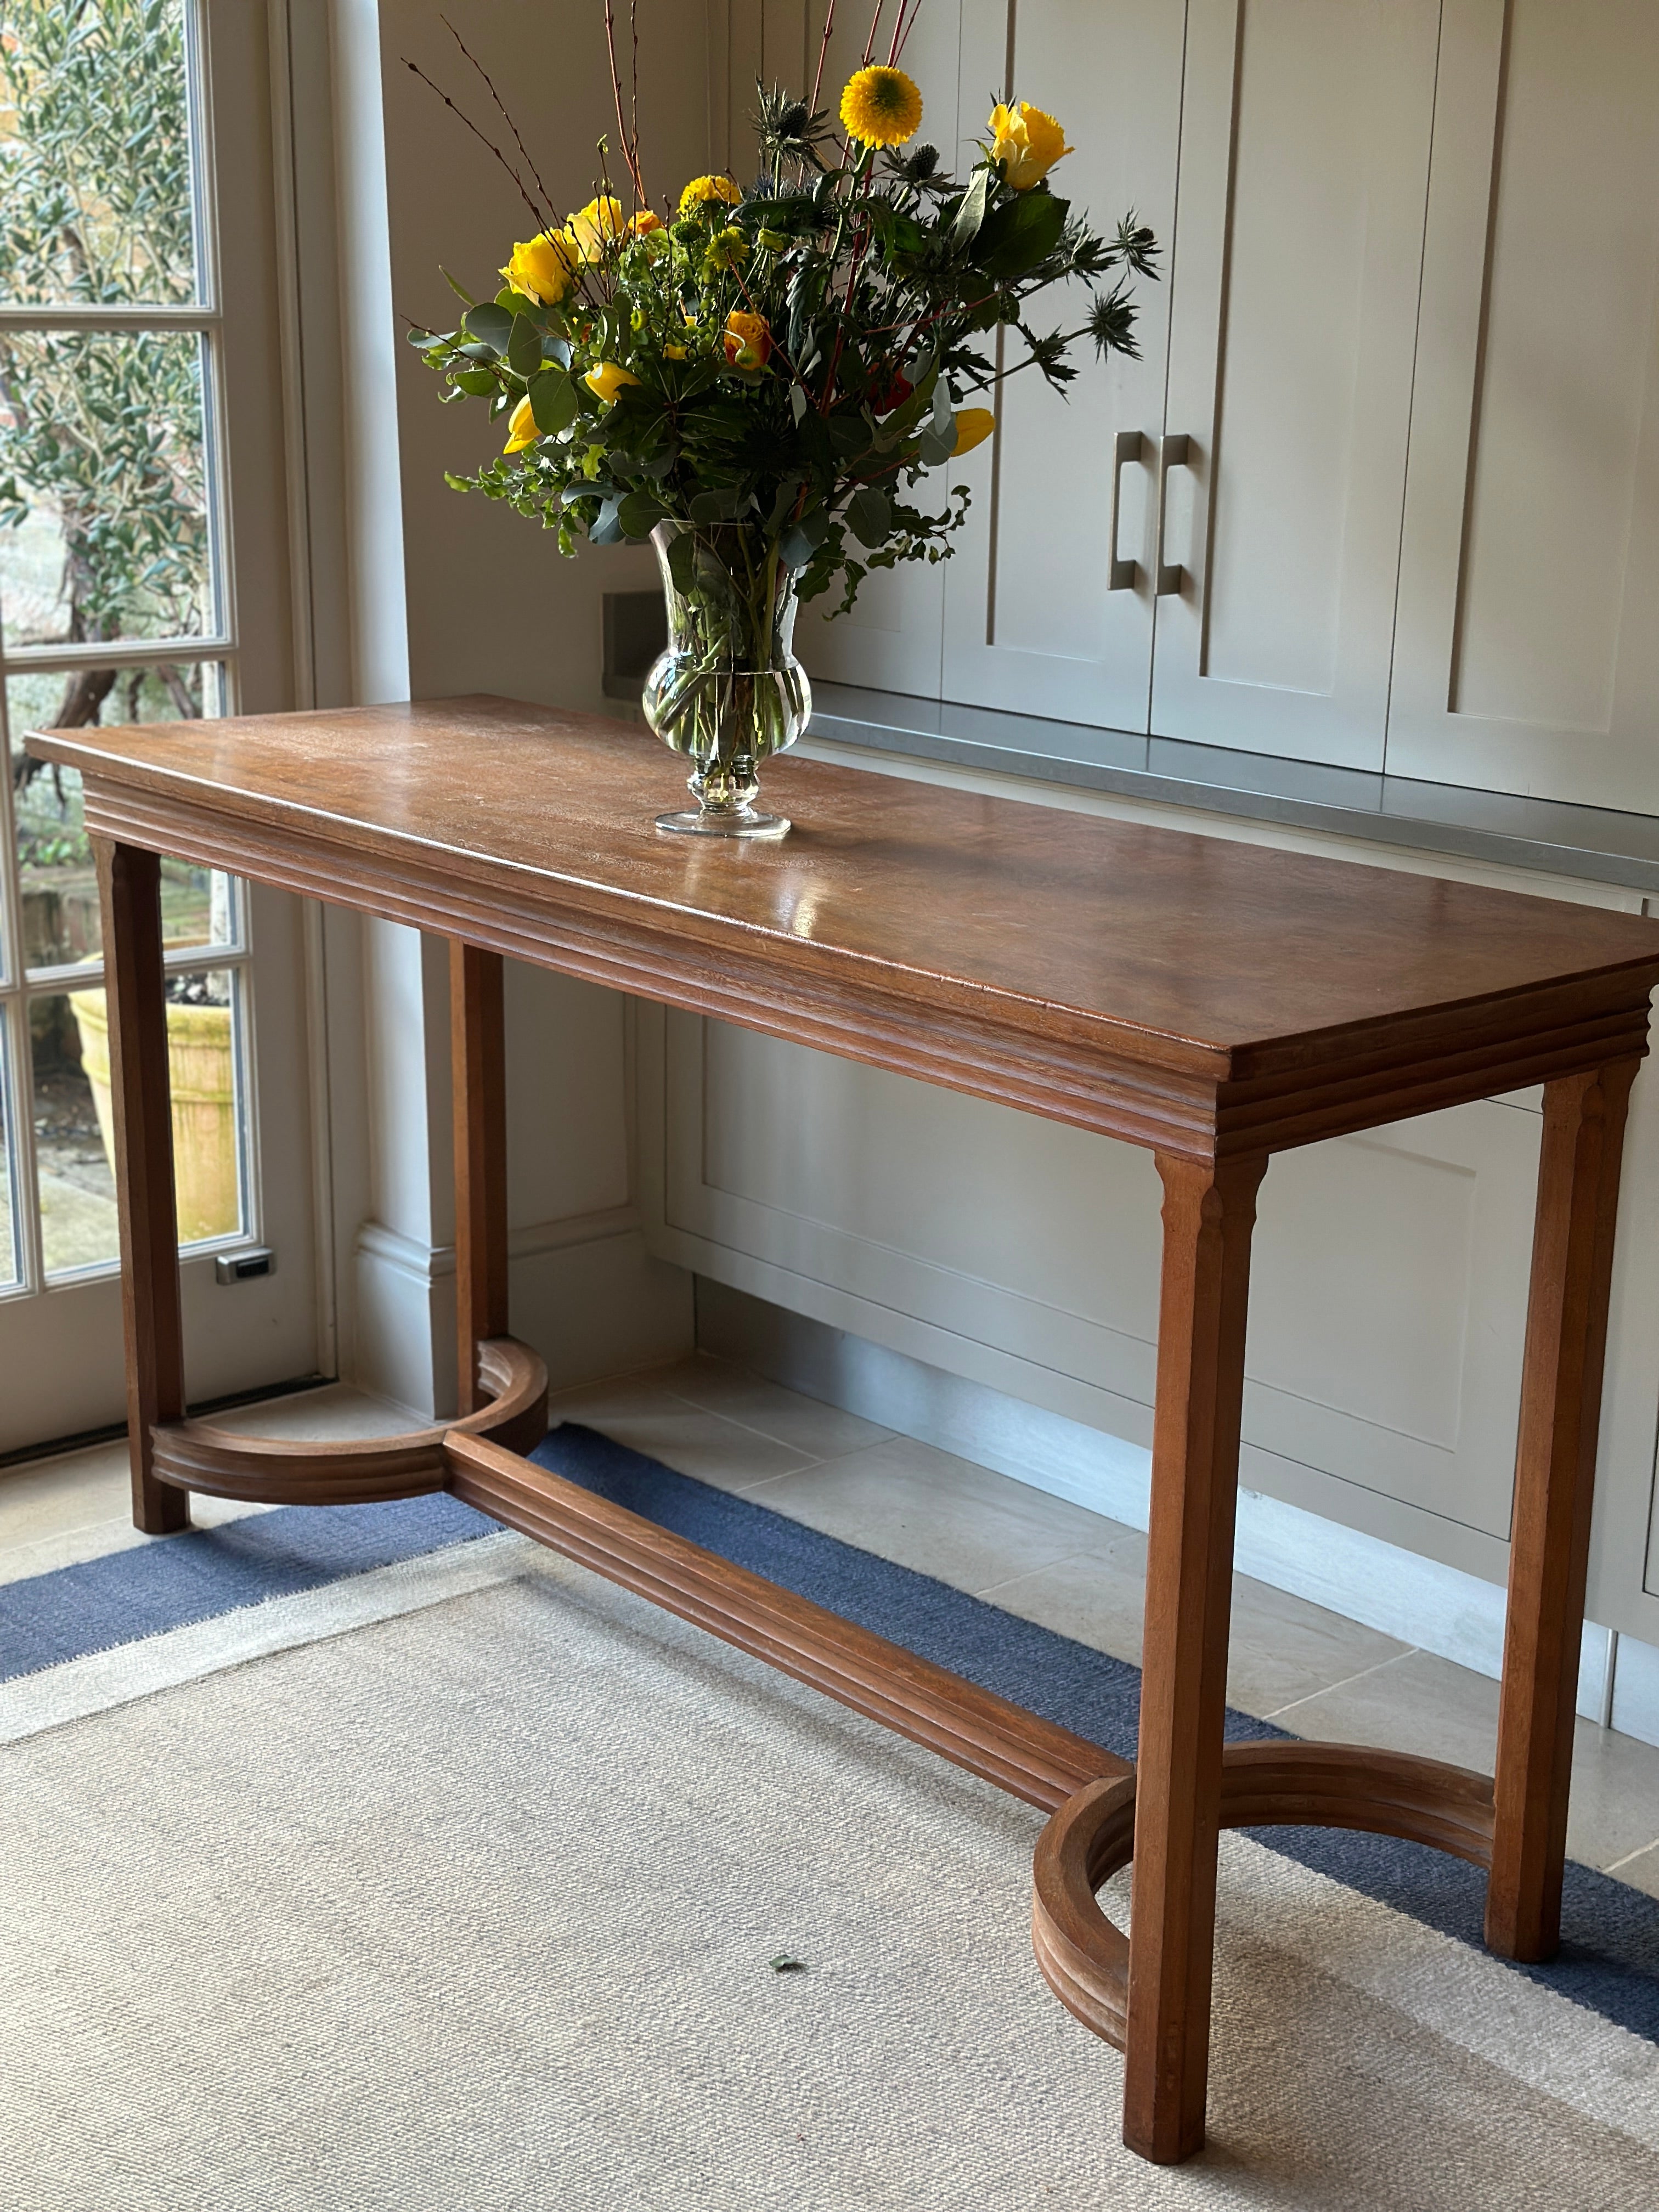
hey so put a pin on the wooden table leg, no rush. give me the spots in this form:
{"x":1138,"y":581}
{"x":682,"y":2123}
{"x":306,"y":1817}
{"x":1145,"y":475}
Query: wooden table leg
{"x":1554,"y":1478}
{"x":130,"y":888}
{"x":478,"y":1058}
{"x":1209,"y":1210}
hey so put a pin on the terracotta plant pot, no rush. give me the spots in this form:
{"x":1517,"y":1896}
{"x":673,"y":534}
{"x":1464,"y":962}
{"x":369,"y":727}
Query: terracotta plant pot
{"x":202,"y":1069}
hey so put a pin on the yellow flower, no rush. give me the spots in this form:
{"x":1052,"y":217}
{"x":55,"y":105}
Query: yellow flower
{"x":748,"y":341}
{"x":974,"y":426}
{"x":587,"y":233}
{"x":673,"y":353}
{"x":607,"y":381}
{"x":644,"y":222}
{"x":701,"y":189}
{"x":726,"y":249}
{"x":881,"y":106}
{"x":1026,"y":142}
{"x":521,"y":429}
{"x":540,"y":268}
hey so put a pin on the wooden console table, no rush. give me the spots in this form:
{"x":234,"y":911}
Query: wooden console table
{"x":1214,"y":1001}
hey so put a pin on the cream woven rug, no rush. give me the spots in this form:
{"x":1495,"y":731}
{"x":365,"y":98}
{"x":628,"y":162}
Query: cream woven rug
{"x":456,"y":1885}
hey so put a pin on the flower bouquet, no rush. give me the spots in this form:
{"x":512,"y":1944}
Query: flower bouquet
{"x":759,"y":377}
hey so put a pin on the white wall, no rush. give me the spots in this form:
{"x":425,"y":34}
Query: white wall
{"x":427,"y":594}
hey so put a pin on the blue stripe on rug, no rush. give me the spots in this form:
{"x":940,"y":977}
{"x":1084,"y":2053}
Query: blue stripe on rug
{"x":1609,"y":1958}
{"x":128,"y":1596}
{"x":1608,"y":1961}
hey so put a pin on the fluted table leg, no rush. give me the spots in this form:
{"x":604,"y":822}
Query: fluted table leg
{"x":1554,"y":1479}
{"x":1209,"y":1210}
{"x":130,"y":889}
{"x":478,"y":1063}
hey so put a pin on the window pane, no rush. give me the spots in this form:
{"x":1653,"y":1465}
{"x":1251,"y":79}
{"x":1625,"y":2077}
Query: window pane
{"x":74,"y":1128}
{"x":9,"y":1270}
{"x":58,"y":880}
{"x":103,"y":514}
{"x":78,"y":1224}
{"x":95,"y":155}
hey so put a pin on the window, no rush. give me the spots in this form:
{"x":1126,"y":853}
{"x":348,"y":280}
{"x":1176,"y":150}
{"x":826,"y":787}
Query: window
{"x":114,"y":603}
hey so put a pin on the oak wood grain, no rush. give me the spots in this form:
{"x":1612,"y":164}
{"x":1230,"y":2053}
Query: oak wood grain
{"x":1085,"y":1957}
{"x":1030,"y":1758}
{"x":361,"y":1470}
{"x":130,"y":891}
{"x":1184,"y":992}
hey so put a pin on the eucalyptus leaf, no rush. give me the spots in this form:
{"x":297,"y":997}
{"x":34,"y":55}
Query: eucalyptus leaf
{"x":459,"y":289}
{"x":803,"y":539}
{"x":870,"y":516}
{"x":607,"y":529}
{"x":682,"y":560}
{"x":523,"y":346}
{"x":938,"y":445}
{"x":848,"y":435}
{"x":1020,"y":235}
{"x":490,"y":325}
{"x":640,"y":514}
{"x":478,"y":381}
{"x":787,"y":493}
{"x":971,"y":213}
{"x":553,"y":401}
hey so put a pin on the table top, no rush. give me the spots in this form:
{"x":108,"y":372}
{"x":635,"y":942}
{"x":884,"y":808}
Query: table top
{"x":519,"y":825}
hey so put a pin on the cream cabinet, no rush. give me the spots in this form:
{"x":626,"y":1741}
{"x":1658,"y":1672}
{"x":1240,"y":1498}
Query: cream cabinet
{"x":1298,"y":240}
{"x":1389,"y":471}
{"x":1032,"y":618}
{"x":1527,"y":651}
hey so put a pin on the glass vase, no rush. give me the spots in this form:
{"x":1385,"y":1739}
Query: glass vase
{"x":728,"y":692}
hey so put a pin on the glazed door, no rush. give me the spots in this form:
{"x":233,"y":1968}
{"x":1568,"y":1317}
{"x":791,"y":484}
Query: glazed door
{"x":143,"y":577}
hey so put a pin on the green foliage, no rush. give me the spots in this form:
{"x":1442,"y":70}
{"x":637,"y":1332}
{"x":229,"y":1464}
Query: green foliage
{"x":797,"y":359}
{"x":102,"y":432}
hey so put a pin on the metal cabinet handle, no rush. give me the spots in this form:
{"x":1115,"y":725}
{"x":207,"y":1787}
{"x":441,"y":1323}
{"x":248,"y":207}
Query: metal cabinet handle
{"x":1172,"y":453}
{"x":1121,"y":575}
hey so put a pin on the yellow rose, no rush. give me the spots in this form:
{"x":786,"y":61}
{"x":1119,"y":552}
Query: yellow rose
{"x":607,"y":381}
{"x":1027,"y":143}
{"x":974,"y":426}
{"x":540,"y":268}
{"x":521,"y":429}
{"x":881,"y":106}
{"x":747,"y":341}
{"x":701,"y":189}
{"x":589,"y":232}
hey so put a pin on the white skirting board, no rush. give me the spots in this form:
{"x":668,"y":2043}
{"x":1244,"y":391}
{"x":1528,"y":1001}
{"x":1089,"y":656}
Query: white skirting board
{"x":585,"y":1293}
{"x":1422,"y":1602}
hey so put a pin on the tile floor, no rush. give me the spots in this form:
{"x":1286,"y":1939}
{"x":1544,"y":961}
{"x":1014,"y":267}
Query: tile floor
{"x":1045,"y":1558}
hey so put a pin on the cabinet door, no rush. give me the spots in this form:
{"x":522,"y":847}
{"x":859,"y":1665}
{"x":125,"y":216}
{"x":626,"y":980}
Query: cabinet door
{"x":1526,"y":657}
{"x":1305,"y":138}
{"x":1032,"y":620}
{"x":891,"y":641}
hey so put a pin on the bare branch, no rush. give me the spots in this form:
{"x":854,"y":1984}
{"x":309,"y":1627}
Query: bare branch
{"x":547,"y":197}
{"x":524,"y":189}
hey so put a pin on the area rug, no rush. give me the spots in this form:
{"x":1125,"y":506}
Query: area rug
{"x":429,"y":1871}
